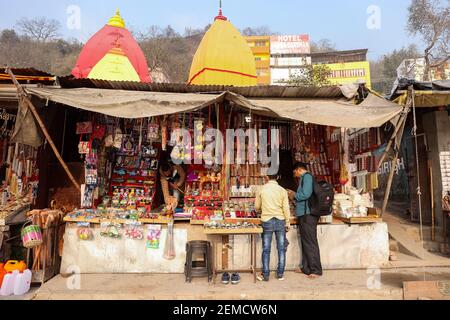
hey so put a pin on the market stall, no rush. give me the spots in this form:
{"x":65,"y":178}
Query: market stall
{"x":122,"y":225}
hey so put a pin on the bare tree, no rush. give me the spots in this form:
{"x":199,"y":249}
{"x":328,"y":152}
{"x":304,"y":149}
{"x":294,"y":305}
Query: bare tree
{"x":258,"y":31}
{"x":323,"y":45}
{"x":430,"y":19}
{"x":40,"y":29}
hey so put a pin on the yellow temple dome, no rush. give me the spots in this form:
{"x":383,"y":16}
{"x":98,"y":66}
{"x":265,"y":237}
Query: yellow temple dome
{"x":223,"y":57}
{"x":116,"y":21}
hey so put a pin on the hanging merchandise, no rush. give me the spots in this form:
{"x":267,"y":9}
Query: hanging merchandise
{"x":84,"y":231}
{"x":169,"y":249}
{"x":153,"y":131}
{"x":110,"y":230}
{"x":117,"y":139}
{"x":83,"y":147}
{"x":153,"y":236}
{"x":84,"y":127}
{"x":134,"y":230}
{"x":87,"y":196}
{"x":164,"y":134}
{"x":343,"y":178}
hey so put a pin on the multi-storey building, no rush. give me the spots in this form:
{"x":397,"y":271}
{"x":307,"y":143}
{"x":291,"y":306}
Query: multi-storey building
{"x":282,"y":56}
{"x":350,"y":66}
{"x":260,"y":46}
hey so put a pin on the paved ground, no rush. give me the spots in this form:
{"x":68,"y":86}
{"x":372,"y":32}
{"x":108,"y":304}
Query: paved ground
{"x":340,"y":285}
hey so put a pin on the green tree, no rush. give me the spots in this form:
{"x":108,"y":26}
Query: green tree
{"x":316,"y":76}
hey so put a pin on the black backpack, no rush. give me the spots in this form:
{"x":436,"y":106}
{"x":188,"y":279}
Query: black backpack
{"x":321,"y":201}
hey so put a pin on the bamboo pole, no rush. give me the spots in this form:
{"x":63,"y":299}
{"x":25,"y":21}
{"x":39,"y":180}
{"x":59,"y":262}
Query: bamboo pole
{"x":23,"y":93}
{"x":395,"y":160}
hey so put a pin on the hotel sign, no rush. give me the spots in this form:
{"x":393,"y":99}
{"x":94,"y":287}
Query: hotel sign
{"x":290,"y":44}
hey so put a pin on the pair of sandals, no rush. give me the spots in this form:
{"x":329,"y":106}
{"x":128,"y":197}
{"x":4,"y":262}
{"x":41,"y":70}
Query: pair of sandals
{"x":310,"y":276}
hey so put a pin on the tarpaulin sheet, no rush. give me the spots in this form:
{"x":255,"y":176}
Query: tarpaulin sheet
{"x":373,"y":112}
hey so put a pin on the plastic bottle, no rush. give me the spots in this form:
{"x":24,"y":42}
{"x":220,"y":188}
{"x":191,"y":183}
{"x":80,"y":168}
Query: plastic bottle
{"x":8,"y":283}
{"x":2,"y":273}
{"x":22,"y":283}
{"x":12,"y":265}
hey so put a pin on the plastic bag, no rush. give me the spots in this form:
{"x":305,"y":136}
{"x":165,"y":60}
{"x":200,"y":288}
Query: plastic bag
{"x":169,"y":249}
{"x":110,"y":230}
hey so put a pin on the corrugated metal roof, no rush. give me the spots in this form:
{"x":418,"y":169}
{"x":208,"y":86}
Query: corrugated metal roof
{"x":27,"y":75}
{"x":329,"y":92}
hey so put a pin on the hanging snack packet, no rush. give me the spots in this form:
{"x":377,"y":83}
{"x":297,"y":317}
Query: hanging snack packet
{"x":84,"y":231}
{"x":153,"y":236}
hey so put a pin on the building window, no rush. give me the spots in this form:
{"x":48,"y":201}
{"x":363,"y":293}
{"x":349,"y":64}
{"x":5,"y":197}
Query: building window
{"x":260,"y":43}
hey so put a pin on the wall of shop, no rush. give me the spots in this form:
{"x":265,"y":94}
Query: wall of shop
{"x":342,"y":246}
{"x":350,"y":72}
{"x":437,"y":130}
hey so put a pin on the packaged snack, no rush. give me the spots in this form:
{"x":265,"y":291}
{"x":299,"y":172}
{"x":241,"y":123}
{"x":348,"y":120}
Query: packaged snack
{"x":153,"y":236}
{"x":110,"y":230}
{"x":84,"y":231}
{"x":134,"y":230}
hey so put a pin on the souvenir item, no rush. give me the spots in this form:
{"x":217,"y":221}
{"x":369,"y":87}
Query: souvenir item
{"x":84,"y":127}
{"x":153,"y":236}
{"x":134,"y":231}
{"x":110,"y":230}
{"x":84,"y":231}
{"x":91,"y":176}
{"x":31,"y":236}
{"x":87,"y":195}
{"x":117,"y":138}
{"x":98,"y":132}
{"x":83,"y":147}
{"x":128,"y":145}
{"x":153,"y":132}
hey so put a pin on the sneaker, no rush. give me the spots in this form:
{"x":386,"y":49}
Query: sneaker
{"x":226,"y":278}
{"x":280,"y":277}
{"x":261,"y":277}
{"x":235,"y":278}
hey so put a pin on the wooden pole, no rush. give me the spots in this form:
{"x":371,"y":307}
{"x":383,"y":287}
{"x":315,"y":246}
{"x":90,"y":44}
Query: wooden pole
{"x":433,"y":209}
{"x":392,"y":171}
{"x":23,"y":93}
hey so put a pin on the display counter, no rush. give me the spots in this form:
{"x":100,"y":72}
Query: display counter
{"x":342,"y":246}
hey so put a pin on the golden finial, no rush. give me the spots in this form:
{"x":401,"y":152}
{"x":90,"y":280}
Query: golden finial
{"x":117,"y":20}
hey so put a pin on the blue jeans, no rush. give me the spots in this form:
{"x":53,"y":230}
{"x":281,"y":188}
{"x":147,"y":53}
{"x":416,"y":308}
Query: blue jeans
{"x":279,"y":228}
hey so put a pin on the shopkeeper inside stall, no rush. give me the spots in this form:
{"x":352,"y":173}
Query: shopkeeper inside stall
{"x":172,"y":182}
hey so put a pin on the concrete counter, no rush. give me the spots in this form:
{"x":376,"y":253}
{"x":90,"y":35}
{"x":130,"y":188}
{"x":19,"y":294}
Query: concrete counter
{"x":342,"y":247}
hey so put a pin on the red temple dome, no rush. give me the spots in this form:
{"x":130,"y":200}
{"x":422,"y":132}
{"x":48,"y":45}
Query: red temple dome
{"x":112,"y":54}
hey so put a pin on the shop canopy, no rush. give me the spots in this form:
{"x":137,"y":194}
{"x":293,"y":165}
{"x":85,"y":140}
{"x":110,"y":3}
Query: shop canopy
{"x":337,"y":112}
{"x":426,"y":94}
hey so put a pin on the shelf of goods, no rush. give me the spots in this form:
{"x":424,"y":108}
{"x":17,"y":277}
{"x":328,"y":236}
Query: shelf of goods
{"x":122,"y":221}
{"x":233,"y":231}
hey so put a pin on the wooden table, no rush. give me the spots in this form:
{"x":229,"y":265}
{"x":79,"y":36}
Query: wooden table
{"x":251,"y":232}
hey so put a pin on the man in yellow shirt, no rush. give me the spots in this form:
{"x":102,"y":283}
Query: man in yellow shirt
{"x":273,"y":202}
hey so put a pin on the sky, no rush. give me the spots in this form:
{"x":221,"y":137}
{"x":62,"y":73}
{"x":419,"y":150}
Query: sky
{"x":378,"y":25}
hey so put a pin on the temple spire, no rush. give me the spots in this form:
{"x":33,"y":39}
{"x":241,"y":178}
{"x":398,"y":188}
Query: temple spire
{"x":117,"y":21}
{"x":220,"y":16}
